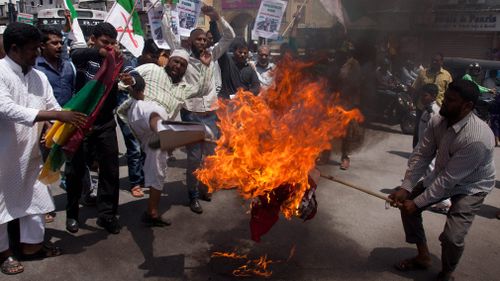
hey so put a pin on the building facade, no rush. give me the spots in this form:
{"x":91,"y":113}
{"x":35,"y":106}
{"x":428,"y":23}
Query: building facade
{"x":457,"y":28}
{"x":241,"y":15}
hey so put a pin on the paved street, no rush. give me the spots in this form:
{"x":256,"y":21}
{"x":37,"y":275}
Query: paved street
{"x":352,"y":237}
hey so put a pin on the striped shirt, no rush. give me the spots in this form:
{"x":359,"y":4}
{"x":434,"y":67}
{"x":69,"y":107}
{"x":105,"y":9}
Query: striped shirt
{"x":464,"y":160}
{"x":161,"y":89}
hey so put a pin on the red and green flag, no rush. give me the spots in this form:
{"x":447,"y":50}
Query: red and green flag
{"x":64,"y":139}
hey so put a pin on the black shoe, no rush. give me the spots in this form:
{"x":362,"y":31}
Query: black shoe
{"x":110,"y":224}
{"x":88,"y":200}
{"x":149,"y":221}
{"x":72,"y":225}
{"x":206,"y":197}
{"x":195,"y":206}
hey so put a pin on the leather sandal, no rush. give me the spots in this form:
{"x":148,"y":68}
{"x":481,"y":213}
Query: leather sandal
{"x":11,"y":266}
{"x":46,"y":251}
{"x":411,"y":265}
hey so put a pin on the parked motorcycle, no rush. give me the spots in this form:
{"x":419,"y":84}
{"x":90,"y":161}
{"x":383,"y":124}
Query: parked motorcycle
{"x":392,"y":106}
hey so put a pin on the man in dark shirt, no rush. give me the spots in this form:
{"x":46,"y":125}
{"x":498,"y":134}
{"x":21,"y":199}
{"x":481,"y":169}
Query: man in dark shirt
{"x":237,"y":73}
{"x":102,"y":137}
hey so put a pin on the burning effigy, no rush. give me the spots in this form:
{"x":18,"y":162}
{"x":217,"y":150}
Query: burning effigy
{"x":269,"y":144}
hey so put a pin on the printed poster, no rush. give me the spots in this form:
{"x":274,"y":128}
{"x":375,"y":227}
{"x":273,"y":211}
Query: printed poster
{"x":155,"y":16}
{"x":268,"y":21}
{"x":189,"y":11}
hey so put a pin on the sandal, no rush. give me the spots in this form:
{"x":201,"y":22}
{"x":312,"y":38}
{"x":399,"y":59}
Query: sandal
{"x":345,"y":163}
{"x":412,"y":264}
{"x":49,"y":218}
{"x":45,"y":251}
{"x":11,"y":266}
{"x":136,"y":191}
{"x":154,"y":222}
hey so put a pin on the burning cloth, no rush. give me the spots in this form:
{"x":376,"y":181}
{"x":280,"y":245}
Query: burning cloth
{"x":270,"y":142}
{"x":266,"y":209}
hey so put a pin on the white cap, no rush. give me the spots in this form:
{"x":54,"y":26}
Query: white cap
{"x":181,"y":53}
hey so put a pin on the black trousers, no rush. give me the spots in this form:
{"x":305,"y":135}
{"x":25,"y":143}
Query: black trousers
{"x":103,"y":140}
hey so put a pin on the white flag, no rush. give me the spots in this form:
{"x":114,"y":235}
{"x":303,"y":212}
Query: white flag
{"x":131,"y":36}
{"x":76,"y":33}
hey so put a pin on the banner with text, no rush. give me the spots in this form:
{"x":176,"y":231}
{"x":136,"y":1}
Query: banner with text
{"x":155,"y":15}
{"x":189,"y":11}
{"x":268,"y":21}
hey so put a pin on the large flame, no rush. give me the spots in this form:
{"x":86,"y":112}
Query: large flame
{"x":274,"y":138}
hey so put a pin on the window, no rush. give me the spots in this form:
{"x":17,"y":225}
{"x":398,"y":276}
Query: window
{"x":32,"y":3}
{"x":41,"y":2}
{"x":1,"y":11}
{"x":51,"y":2}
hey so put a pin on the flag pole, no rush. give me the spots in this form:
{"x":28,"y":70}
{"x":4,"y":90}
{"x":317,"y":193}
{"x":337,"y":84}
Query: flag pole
{"x":294,"y":17}
{"x":128,"y":21}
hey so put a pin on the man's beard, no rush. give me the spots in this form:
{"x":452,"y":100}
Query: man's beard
{"x":446,"y":114}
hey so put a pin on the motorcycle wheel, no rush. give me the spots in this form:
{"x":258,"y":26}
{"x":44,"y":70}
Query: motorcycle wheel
{"x":407,"y":125}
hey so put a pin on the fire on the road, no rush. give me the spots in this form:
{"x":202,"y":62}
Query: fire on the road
{"x":274,"y":138}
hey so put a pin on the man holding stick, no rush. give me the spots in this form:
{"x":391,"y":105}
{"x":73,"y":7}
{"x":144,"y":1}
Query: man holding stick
{"x":464,"y":172}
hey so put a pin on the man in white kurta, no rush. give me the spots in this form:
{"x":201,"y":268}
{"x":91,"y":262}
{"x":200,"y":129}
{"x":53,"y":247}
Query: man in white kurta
{"x":21,"y":194}
{"x":26,"y":98}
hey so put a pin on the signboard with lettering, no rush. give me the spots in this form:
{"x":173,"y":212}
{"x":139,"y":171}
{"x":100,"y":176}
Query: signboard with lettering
{"x":240,"y":4}
{"x":466,"y":22}
{"x":268,"y":20}
{"x":25,"y":18}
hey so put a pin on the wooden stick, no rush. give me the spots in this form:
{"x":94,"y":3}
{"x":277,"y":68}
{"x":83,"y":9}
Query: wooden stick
{"x":294,"y":18}
{"x":375,"y":194}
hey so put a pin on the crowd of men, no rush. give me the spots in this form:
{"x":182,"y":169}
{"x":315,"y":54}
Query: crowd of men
{"x":453,"y":156}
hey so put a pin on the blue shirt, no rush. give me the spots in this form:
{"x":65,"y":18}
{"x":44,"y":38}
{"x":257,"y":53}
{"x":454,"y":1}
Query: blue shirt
{"x":62,"y":80}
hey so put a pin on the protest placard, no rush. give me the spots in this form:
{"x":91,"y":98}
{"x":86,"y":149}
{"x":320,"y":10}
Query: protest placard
{"x":268,"y":21}
{"x":155,"y":15}
{"x":189,"y":11}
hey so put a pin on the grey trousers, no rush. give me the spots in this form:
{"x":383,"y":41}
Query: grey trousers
{"x":458,"y":221}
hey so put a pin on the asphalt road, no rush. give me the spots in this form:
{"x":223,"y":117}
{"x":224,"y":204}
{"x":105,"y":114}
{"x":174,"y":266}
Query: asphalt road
{"x":352,"y":237}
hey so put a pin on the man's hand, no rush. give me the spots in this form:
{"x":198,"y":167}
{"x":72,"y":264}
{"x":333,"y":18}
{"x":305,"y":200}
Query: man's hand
{"x":67,"y":25}
{"x":103,"y":52}
{"x":46,"y":127}
{"x":210,"y":12}
{"x":409,"y":207}
{"x":74,"y":118}
{"x":206,"y":58}
{"x":398,"y":197}
{"x":126,"y":79}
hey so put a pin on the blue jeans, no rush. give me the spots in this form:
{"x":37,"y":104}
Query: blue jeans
{"x":195,"y":152}
{"x":135,"y":156}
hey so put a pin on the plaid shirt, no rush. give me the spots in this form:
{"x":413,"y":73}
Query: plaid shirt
{"x":161,"y":89}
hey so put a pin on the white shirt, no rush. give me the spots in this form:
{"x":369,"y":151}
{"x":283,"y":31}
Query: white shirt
{"x":21,"y":98}
{"x":199,"y":74}
{"x":264,"y":73}
{"x":429,"y":112}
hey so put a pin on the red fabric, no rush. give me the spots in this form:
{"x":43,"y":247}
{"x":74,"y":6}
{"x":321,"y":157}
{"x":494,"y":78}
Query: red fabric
{"x":107,"y":74}
{"x":266,"y":210}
